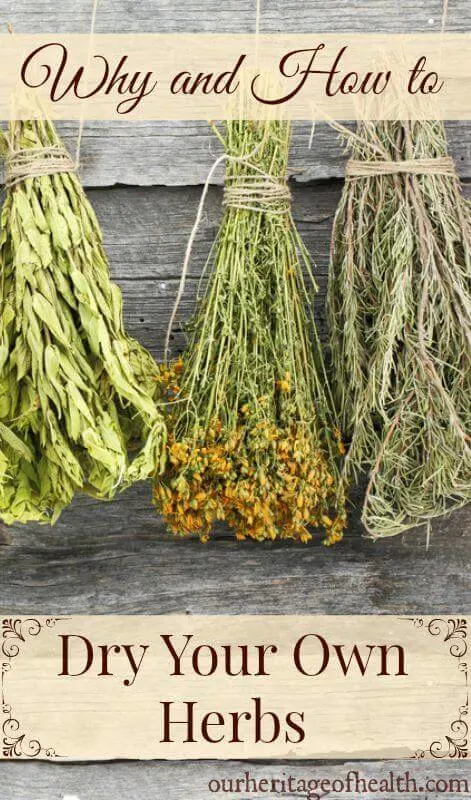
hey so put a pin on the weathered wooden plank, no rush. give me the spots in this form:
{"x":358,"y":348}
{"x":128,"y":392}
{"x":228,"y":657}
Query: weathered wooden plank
{"x":121,"y":16}
{"x":181,"y":153}
{"x":190,"y":781}
{"x":117,"y":558}
{"x":146,"y":229}
{"x":146,"y":232}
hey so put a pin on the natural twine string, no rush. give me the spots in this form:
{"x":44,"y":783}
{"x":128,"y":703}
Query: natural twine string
{"x":23,"y":164}
{"x":38,"y":161}
{"x":444,"y":16}
{"x":257,"y":193}
{"x":418,"y":166}
{"x":89,"y":58}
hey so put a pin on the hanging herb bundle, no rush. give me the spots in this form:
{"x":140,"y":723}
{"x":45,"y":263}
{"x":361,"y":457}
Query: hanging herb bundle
{"x":251,"y":440}
{"x":76,"y":393}
{"x":400,"y":314}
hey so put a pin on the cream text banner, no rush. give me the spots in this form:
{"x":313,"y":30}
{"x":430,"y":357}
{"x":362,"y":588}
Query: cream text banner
{"x":195,"y":76}
{"x":242,"y":687}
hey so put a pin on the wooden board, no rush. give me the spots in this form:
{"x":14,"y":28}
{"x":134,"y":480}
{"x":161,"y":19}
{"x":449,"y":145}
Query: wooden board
{"x":117,"y":558}
{"x":189,"y":781}
{"x":146,"y":233}
{"x":182,"y":153}
{"x":166,"y":16}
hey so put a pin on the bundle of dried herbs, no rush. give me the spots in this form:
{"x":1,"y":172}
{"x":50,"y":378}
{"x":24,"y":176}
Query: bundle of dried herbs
{"x":400,"y":314}
{"x":251,"y":435}
{"x":76,"y":393}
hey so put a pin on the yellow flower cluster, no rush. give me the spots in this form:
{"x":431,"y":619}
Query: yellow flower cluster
{"x":263,"y":480}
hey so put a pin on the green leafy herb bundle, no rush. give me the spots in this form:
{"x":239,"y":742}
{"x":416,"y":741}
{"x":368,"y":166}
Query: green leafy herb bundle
{"x":400,"y":315}
{"x":77,"y":409}
{"x":252,"y":440}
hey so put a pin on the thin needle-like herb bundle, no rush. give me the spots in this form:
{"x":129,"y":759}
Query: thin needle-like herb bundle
{"x":76,"y":393}
{"x":400,"y":314}
{"x":251,"y":440}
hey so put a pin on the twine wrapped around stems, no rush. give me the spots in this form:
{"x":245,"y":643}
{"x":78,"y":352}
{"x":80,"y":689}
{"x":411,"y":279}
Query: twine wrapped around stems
{"x":257,"y":193}
{"x":416,"y":166}
{"x":34,"y":162}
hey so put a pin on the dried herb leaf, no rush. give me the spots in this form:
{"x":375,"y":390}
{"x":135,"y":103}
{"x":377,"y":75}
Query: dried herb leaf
{"x":77,"y":395}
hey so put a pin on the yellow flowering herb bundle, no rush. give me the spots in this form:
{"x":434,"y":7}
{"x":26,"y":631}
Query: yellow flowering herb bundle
{"x":400,"y":316}
{"x":251,"y":438}
{"x":77,"y":411}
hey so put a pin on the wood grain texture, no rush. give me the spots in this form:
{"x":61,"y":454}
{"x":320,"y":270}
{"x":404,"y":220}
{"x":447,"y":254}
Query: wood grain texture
{"x":117,"y":558}
{"x":231,"y":16}
{"x":146,"y":232}
{"x":189,"y":780}
{"x":181,"y":153}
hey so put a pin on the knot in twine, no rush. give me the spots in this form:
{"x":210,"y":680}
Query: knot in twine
{"x":34,"y":162}
{"x":417,"y":166}
{"x":257,"y":193}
